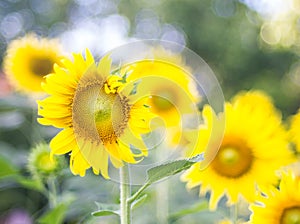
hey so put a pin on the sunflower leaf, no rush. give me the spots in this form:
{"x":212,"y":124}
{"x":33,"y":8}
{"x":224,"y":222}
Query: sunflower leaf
{"x":106,"y":209}
{"x":171,"y":168}
{"x":165,"y":170}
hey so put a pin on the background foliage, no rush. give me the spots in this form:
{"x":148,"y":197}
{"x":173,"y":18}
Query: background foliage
{"x":225,"y":33}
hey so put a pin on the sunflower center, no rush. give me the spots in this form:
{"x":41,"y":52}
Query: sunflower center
{"x":99,"y":116}
{"x":41,"y":66}
{"x":111,"y":113}
{"x":290,"y":216}
{"x":163,"y":100}
{"x":233,"y":160}
{"x":44,"y":162}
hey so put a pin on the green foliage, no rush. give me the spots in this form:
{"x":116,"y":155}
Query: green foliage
{"x":6,"y":168}
{"x":54,"y":216}
{"x":9,"y":172}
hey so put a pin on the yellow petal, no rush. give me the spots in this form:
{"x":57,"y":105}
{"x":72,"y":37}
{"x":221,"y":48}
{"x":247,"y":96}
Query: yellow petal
{"x":62,"y":143}
{"x":78,"y":164}
{"x":104,"y":66}
{"x":116,"y":163}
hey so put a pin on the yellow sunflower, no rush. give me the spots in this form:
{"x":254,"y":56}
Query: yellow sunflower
{"x":279,"y":205}
{"x":294,"y":131}
{"x":253,"y":147}
{"x":29,"y":59}
{"x":99,"y":122}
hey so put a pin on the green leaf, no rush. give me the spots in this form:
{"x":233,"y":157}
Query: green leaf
{"x":165,"y":170}
{"x":9,"y":171}
{"x":169,"y":169}
{"x":140,"y":200}
{"x":202,"y":206}
{"x":6,"y":168}
{"x":54,"y":216}
{"x":106,"y":209}
{"x":30,"y":183}
{"x":104,"y":213}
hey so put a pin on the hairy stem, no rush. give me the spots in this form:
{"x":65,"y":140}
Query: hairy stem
{"x":124,"y":195}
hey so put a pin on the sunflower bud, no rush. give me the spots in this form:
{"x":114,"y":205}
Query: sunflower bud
{"x":41,"y":165}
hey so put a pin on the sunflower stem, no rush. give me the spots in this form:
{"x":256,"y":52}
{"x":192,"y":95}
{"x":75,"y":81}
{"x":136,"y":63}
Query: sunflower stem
{"x":52,"y":192}
{"x":125,"y":192}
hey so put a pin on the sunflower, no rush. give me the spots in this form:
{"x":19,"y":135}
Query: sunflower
{"x":98,"y":120}
{"x":253,"y":147}
{"x":29,"y":59}
{"x":294,"y":130}
{"x":279,"y":205}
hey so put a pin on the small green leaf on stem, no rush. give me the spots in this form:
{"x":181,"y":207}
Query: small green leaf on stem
{"x":165,"y":170}
{"x":140,"y":200}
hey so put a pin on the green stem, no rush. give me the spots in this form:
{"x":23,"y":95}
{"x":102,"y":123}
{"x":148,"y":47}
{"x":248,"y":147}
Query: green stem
{"x":138,"y":193}
{"x":124,"y":195}
{"x":52,"y":192}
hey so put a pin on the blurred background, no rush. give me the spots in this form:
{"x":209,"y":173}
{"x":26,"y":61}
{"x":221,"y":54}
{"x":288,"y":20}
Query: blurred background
{"x":250,"y":44}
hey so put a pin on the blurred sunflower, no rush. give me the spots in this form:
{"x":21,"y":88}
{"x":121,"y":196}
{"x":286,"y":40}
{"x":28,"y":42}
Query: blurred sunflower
{"x":172,"y":89}
{"x":253,"y":147}
{"x":294,"y":130}
{"x":279,"y":205}
{"x":29,"y":59}
{"x":98,"y":121}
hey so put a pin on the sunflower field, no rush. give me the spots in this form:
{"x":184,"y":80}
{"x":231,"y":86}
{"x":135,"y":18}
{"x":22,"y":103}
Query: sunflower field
{"x":150,"y":112}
